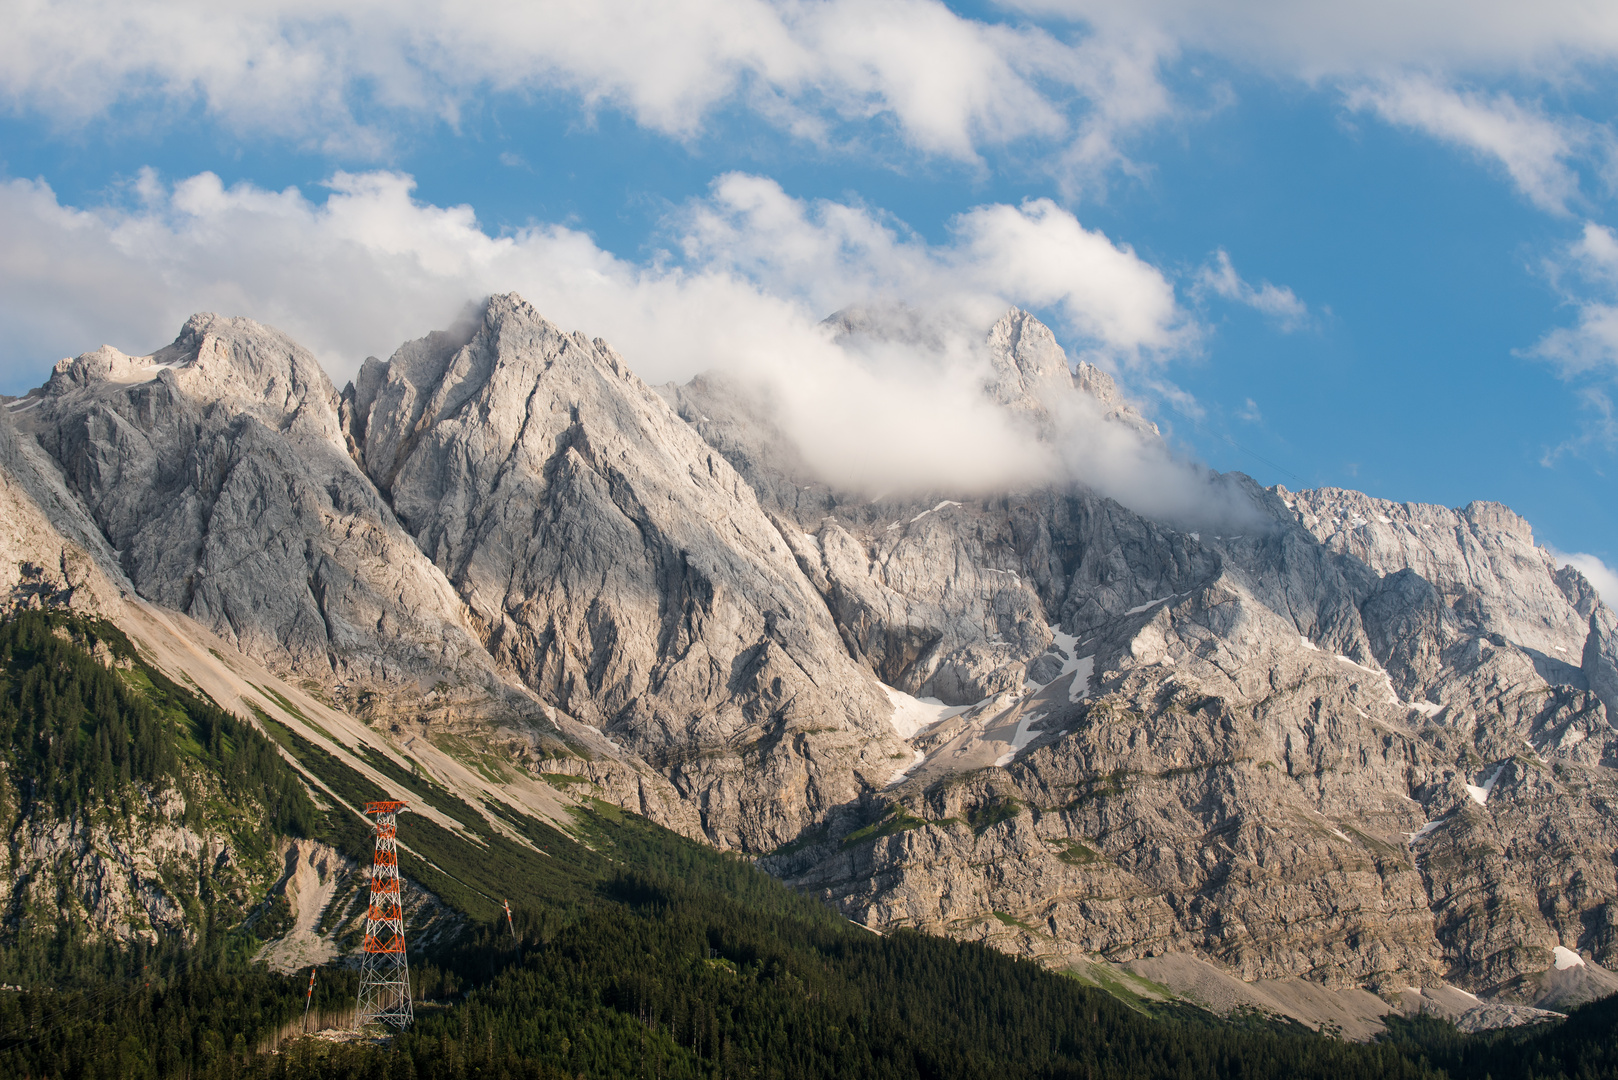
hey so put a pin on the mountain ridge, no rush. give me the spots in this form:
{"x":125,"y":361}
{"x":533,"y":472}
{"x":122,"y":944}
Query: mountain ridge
{"x":1263,"y":749}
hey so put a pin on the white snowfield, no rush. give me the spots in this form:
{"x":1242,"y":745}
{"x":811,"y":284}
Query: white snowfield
{"x":1480,"y":795}
{"x":912,"y":714}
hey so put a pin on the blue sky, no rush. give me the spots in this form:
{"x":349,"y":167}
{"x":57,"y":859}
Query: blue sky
{"x":1370,"y":249}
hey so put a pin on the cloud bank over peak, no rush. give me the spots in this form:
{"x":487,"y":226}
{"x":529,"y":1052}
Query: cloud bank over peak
{"x":830,"y":255}
{"x":750,"y":275}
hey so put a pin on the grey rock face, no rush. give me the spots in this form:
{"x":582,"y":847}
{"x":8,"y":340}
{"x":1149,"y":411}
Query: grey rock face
{"x":216,"y":478}
{"x":1229,"y":790}
{"x":1030,"y":369}
{"x":1278,"y":762}
{"x":1481,"y":559}
{"x":623,"y":569}
{"x":51,"y":554}
{"x":1599,"y":661}
{"x":217,"y":471}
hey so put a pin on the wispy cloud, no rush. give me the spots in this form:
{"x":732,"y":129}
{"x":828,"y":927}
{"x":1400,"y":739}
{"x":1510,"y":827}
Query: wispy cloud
{"x":1413,"y":63}
{"x":1587,"y":272}
{"x":1218,"y":277}
{"x":1589,"y":344}
{"x":1535,"y":150}
{"x":1320,"y":38}
{"x":1585,"y":353}
{"x":1597,"y":430}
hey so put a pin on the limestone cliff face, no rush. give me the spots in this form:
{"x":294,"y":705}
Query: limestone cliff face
{"x":1368,"y":743}
{"x":623,"y":570}
{"x":217,"y":472}
{"x":51,"y":553}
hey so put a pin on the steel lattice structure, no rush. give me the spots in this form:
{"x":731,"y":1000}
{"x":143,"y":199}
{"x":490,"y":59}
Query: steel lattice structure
{"x":384,"y":974}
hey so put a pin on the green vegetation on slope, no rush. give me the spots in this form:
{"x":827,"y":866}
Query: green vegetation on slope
{"x":697,"y":965}
{"x":1582,"y":1047}
{"x":638,"y":954}
{"x":97,"y":751}
{"x":79,"y":735}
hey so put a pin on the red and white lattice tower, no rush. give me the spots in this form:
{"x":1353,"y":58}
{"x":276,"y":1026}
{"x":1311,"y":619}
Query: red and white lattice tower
{"x":384,"y":975}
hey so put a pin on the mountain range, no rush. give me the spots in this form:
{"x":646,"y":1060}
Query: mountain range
{"x":1311,"y":753}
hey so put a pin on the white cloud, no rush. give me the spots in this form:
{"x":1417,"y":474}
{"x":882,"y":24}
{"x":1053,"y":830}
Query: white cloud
{"x":1278,"y":302}
{"x":367,"y":266}
{"x":1323,"y":38}
{"x":348,"y":76}
{"x":1596,"y":252}
{"x":1071,"y":79}
{"x":1591,"y":343}
{"x":1534,"y":149}
{"x":1598,"y":573}
{"x":949,"y":85}
{"x":1036,"y":255}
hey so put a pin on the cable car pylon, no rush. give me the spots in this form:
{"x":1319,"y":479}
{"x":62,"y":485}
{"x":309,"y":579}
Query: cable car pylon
{"x":308,"y":998}
{"x":384,"y":996}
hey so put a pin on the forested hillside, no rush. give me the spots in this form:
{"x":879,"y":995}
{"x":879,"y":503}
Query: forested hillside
{"x":636,"y":952}
{"x":87,"y":733}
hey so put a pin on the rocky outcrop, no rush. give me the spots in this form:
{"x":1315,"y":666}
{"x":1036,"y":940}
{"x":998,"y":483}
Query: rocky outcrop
{"x":216,"y":470}
{"x":134,"y":876}
{"x":1280,"y":762}
{"x":1244,"y":781}
{"x":1599,"y":661}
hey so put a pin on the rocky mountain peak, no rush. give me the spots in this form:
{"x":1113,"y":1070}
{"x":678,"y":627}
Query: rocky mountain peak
{"x":620,"y":566}
{"x":1031,"y":375}
{"x":237,"y":363}
{"x":1029,"y":368}
{"x":105,"y":364}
